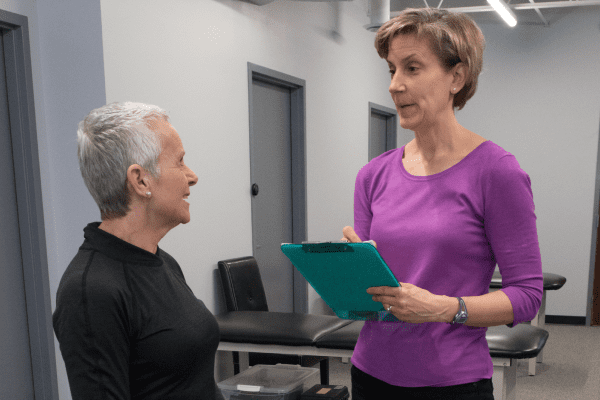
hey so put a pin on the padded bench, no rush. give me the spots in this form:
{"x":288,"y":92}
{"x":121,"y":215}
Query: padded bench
{"x":551,"y":282}
{"x":329,"y":336}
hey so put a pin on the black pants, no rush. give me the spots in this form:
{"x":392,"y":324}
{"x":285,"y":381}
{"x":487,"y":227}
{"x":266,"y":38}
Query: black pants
{"x":366,"y":387}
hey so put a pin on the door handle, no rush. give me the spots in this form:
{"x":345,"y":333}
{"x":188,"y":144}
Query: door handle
{"x":254,"y":189}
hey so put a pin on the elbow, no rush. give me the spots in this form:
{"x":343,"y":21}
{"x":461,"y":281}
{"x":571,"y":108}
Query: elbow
{"x":526,"y":302}
{"x":536,"y":295}
{"x":530,"y":311}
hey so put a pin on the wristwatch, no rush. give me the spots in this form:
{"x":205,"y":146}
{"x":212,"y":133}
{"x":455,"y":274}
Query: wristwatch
{"x":462,"y":315}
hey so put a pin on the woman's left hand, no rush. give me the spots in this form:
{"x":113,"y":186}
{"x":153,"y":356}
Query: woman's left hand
{"x":409,"y":302}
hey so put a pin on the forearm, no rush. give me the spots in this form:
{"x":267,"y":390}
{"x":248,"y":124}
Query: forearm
{"x":490,"y":309}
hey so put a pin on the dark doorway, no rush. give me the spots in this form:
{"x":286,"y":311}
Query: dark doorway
{"x":383,"y":125}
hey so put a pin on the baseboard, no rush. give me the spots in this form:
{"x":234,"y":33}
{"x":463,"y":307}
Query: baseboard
{"x":565,"y":319}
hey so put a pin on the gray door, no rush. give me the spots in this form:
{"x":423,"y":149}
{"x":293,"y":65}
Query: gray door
{"x":271,"y":172}
{"x":16,"y":379}
{"x":382,"y":129}
{"x":378,"y":128}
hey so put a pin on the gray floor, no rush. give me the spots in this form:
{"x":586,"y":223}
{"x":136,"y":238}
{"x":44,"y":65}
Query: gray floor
{"x":570,"y":371}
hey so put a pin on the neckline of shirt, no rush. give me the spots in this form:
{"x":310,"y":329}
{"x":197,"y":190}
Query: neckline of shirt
{"x":439,"y":174}
{"x":118,"y":249}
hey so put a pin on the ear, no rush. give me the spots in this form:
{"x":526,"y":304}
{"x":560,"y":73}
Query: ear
{"x":138,"y":180}
{"x":459,"y":76}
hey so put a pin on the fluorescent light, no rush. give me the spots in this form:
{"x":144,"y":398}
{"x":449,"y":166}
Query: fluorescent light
{"x":505,"y":12}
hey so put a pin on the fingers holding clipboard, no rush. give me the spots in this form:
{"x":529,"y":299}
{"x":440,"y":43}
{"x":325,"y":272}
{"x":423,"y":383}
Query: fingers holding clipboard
{"x":352,"y":237}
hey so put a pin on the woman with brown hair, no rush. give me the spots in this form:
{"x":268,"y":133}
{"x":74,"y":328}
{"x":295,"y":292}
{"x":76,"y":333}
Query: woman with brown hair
{"x":443,"y":211}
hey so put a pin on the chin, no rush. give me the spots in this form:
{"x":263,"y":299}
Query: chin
{"x":175,"y":221}
{"x":410,"y":127}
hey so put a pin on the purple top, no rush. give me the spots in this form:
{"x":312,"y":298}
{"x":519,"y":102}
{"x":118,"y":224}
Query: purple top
{"x":445,"y":233}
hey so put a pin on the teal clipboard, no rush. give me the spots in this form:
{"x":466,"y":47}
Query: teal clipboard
{"x":341,"y":273}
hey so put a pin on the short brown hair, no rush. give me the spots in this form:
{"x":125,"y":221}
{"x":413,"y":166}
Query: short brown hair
{"x":454,"y":38}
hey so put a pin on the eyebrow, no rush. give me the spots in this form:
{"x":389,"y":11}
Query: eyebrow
{"x":405,"y":59}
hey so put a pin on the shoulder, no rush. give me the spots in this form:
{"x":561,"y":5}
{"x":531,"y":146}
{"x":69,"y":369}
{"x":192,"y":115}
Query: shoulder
{"x":380,"y":164}
{"x":384,"y":159}
{"x":492,"y":150}
{"x":92,"y":275}
{"x":501,"y":174}
{"x":94,"y":286}
{"x":499,"y":162}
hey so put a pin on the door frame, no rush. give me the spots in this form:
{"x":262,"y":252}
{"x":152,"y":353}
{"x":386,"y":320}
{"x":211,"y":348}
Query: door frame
{"x":592,"y":314}
{"x":298,"y":131}
{"x":391,"y":116}
{"x":30,"y":211}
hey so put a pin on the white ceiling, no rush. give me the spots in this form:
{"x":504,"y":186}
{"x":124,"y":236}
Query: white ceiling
{"x":559,"y":9}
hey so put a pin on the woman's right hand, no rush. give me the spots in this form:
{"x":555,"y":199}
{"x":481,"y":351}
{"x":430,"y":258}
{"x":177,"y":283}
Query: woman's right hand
{"x":351,"y":236}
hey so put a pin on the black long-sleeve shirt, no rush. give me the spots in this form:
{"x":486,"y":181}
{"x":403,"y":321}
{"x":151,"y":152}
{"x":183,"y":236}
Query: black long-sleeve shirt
{"x":129,"y":326}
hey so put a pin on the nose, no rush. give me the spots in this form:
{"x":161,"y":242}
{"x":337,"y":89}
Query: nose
{"x":192,"y":177}
{"x":397,"y":83}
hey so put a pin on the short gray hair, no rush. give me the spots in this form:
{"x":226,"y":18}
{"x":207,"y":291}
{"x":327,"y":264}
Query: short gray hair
{"x":109,"y":141}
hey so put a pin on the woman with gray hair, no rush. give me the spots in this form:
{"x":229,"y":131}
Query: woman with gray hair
{"x":443,"y":211}
{"x":128,"y":325}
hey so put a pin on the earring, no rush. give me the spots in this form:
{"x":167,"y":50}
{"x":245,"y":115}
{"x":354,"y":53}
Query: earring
{"x":453,"y":90}
{"x":148,"y":194}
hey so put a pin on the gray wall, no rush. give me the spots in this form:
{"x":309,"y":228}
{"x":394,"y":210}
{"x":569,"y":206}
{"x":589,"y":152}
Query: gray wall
{"x":68,"y":77}
{"x":195,"y":66}
{"x":72,"y":84}
{"x":539,"y":98}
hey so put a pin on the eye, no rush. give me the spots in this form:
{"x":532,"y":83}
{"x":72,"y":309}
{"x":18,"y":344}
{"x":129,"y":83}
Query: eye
{"x":412,"y":68}
{"x":392,"y":72}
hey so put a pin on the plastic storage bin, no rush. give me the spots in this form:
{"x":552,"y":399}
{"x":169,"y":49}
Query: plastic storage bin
{"x":269,"y":382}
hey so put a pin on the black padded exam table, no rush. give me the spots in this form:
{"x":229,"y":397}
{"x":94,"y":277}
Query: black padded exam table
{"x":325,"y":335}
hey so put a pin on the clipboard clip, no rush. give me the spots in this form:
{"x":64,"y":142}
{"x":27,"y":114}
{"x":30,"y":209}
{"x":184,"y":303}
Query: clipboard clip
{"x":327,"y":247}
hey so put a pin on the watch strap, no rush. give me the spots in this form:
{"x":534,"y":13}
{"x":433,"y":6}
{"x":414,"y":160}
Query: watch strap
{"x":462,"y":315}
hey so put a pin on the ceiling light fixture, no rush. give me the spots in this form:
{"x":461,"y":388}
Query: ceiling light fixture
{"x":505,"y":12}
